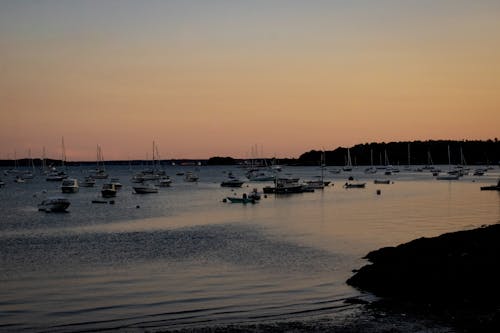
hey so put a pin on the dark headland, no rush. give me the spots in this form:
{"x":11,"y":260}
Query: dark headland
{"x":454,"y":278}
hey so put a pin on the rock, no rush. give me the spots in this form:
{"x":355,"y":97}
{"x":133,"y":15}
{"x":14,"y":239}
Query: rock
{"x":455,"y":273}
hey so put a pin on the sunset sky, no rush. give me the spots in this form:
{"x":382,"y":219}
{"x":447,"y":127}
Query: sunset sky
{"x":206,"y":78}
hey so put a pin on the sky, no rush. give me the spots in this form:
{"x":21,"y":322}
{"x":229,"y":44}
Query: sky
{"x":216,"y":78}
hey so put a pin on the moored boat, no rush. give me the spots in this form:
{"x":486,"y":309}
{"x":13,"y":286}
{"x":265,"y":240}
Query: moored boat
{"x":354,"y":185}
{"x":232,"y":183}
{"x":88,"y":182}
{"x":108,"y":190}
{"x":382,"y":181}
{"x":54,"y":204}
{"x":145,"y":189}
{"x":69,"y":185}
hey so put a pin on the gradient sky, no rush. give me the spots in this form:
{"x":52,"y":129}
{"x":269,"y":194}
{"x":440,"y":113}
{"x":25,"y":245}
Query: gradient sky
{"x":206,"y":78}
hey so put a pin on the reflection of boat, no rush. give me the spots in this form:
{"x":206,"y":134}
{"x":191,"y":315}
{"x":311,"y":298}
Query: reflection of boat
{"x":69,"y":185}
{"x":381,"y":181}
{"x":146,"y":189}
{"x":354,"y":185}
{"x":108,"y":190}
{"x":232,"y":183}
{"x":54,"y":204}
{"x":491,"y":187}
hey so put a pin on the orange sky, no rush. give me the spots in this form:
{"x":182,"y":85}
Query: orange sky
{"x":206,"y":78}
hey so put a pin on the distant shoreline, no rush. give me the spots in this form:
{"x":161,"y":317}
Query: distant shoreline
{"x":474,"y":152}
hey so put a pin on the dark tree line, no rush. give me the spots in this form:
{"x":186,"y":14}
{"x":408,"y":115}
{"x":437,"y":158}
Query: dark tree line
{"x":474,"y":152}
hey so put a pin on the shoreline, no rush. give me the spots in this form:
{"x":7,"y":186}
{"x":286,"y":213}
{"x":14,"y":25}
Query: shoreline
{"x":452,"y":277}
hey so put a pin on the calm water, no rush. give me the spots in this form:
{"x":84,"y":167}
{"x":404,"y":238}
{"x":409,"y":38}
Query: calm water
{"x":184,"y":258}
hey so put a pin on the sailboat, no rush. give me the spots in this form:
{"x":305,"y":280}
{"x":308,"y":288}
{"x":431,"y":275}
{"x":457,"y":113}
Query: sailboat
{"x":100,"y":170}
{"x":450,"y":175}
{"x":348,"y":166}
{"x":371,"y":169}
{"x":321,"y":183}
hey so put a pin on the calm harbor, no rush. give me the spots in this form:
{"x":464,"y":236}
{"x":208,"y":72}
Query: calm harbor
{"x":182,"y":258}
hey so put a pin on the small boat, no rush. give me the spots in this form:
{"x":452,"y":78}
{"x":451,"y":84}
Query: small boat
{"x":190,"y":177}
{"x":145,"y":189}
{"x":382,"y":181}
{"x":254,"y":194}
{"x":2,"y":183}
{"x":88,"y":182}
{"x":54,"y":204}
{"x":69,"y":185}
{"x":491,"y":187}
{"x":56,"y":176}
{"x":244,"y":199}
{"x":448,"y":177}
{"x":286,"y":186}
{"x":354,"y":185}
{"x":232,"y":183}
{"x":117,"y":183}
{"x":19,"y":180}
{"x":164,"y":182}
{"x":108,"y":190}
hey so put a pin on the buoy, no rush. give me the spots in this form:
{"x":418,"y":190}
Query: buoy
{"x":137,"y":206}
{"x":378,"y":192}
{"x":224,"y":200}
{"x":111,"y":202}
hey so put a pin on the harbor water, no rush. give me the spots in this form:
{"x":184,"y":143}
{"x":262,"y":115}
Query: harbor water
{"x":183,"y":258}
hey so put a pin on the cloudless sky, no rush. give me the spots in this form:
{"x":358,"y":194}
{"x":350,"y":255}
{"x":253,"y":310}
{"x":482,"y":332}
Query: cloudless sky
{"x":207,"y":78}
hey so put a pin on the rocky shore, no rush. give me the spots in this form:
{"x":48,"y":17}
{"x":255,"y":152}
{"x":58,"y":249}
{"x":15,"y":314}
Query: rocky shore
{"x":454,"y":278}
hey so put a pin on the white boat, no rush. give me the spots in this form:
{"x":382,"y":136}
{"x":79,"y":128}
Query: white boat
{"x":54,"y":204}
{"x":145,"y":189}
{"x":108,"y":190}
{"x":19,"y":180}
{"x":164,"y":181}
{"x":348,"y":166}
{"x":56,"y":176}
{"x":69,"y":185}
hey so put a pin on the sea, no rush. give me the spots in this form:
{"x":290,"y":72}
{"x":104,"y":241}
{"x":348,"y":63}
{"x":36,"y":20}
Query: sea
{"x":183,"y":258}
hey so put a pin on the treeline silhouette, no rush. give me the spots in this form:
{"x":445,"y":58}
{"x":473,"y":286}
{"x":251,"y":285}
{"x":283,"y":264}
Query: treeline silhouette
{"x":474,"y":152}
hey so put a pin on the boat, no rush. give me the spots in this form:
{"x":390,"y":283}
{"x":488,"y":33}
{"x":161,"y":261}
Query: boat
{"x":108,"y":190}
{"x":348,"y":166}
{"x":190,"y":177}
{"x":382,"y":181}
{"x":491,"y":187}
{"x":244,"y":199}
{"x":354,"y":185}
{"x":164,"y":181}
{"x":88,"y":182}
{"x":285,"y":186}
{"x":254,"y":194}
{"x":56,"y":176}
{"x":117,"y":183}
{"x":145,"y":189}
{"x":100,"y":170}
{"x":2,"y":183}
{"x":232,"y":183}
{"x":69,"y":185}
{"x":452,"y":175}
{"x":54,"y":204}
{"x":19,"y":180}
